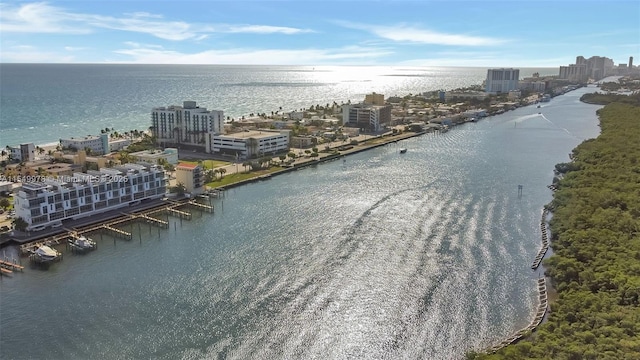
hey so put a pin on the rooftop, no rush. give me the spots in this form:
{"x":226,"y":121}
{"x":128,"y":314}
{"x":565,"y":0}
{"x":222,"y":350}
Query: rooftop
{"x":187,"y":165}
{"x":252,"y":134}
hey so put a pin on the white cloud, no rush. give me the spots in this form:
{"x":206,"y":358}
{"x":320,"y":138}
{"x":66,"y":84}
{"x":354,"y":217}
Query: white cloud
{"x":44,"y":18}
{"x":265,"y":29}
{"x":408,"y":34}
{"x":38,"y":18}
{"x":412,"y":34}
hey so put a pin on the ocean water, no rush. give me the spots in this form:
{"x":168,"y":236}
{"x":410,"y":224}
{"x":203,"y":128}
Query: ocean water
{"x":422,"y":255}
{"x":42,"y":103}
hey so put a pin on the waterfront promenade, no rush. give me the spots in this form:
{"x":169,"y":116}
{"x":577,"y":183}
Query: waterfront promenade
{"x":329,"y":151}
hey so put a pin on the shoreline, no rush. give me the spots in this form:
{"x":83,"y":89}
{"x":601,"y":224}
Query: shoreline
{"x":321,"y":159}
{"x":115,"y":214}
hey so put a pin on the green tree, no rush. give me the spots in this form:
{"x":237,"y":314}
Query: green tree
{"x":5,"y":203}
{"x":20,"y":224}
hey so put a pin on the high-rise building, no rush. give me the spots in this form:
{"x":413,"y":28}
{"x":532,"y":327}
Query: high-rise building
{"x":502,"y":80}
{"x":595,"y":67}
{"x":630,"y":62}
{"x":574,"y":72}
{"x":598,"y":67}
{"x":188,"y":125}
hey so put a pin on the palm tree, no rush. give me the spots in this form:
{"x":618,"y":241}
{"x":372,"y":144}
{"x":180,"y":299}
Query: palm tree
{"x":215,"y":173}
{"x":246,"y":164}
{"x":222,"y":171}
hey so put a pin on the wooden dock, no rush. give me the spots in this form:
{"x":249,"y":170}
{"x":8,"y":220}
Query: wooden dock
{"x":114,"y":226}
{"x":157,"y":222}
{"x":11,"y":266}
{"x":178,"y":213}
{"x":200,"y":206}
{"x":117,"y":232}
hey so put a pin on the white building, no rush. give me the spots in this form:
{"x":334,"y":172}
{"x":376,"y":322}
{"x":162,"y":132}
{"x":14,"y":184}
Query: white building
{"x":188,"y":125}
{"x":46,"y":203}
{"x":502,"y":80}
{"x":151,"y":157}
{"x":369,"y":118}
{"x":248,"y":144}
{"x":118,"y":144}
{"x":24,"y":152}
{"x":99,"y":145}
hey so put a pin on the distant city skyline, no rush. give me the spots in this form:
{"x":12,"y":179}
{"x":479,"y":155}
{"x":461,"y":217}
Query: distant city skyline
{"x":399,"y":33}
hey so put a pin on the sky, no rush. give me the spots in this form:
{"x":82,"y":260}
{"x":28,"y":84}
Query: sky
{"x":515,"y":33}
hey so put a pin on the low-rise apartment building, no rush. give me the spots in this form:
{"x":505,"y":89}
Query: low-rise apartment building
{"x":191,"y":176}
{"x":248,"y":144}
{"x":99,"y":145}
{"x":49,"y":202}
{"x":152,"y":156}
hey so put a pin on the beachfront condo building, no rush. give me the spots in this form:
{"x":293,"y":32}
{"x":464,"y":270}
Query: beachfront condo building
{"x":191,"y":176}
{"x":366,"y":117}
{"x":251,"y":144}
{"x":187,"y":126}
{"x":501,"y":81}
{"x":99,"y":145}
{"x":49,"y":202}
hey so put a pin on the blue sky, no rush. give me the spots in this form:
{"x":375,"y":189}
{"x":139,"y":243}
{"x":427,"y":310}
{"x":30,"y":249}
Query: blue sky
{"x":411,"y":33}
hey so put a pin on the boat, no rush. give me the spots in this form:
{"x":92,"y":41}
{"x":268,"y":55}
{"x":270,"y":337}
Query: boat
{"x":45,"y":253}
{"x":83,"y":243}
{"x":538,"y":106}
{"x":403,"y":150}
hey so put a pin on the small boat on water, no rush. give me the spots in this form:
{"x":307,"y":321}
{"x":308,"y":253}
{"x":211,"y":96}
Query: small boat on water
{"x":403,"y":150}
{"x":83,"y":243}
{"x":45,"y":253}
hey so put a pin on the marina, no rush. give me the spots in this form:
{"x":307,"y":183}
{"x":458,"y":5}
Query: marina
{"x":77,"y":239}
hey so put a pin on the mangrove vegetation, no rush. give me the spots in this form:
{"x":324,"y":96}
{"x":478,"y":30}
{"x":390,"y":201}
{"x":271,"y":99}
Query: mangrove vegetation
{"x":595,"y":229}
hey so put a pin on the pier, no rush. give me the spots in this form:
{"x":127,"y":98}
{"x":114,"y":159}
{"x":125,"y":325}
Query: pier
{"x":114,"y":226}
{"x":204,"y":207}
{"x":8,"y":267}
{"x":117,"y":232}
{"x":178,"y":213}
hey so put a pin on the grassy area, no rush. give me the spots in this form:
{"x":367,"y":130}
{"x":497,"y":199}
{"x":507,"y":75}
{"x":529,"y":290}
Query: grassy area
{"x":208,"y":164}
{"x":234,"y":178}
